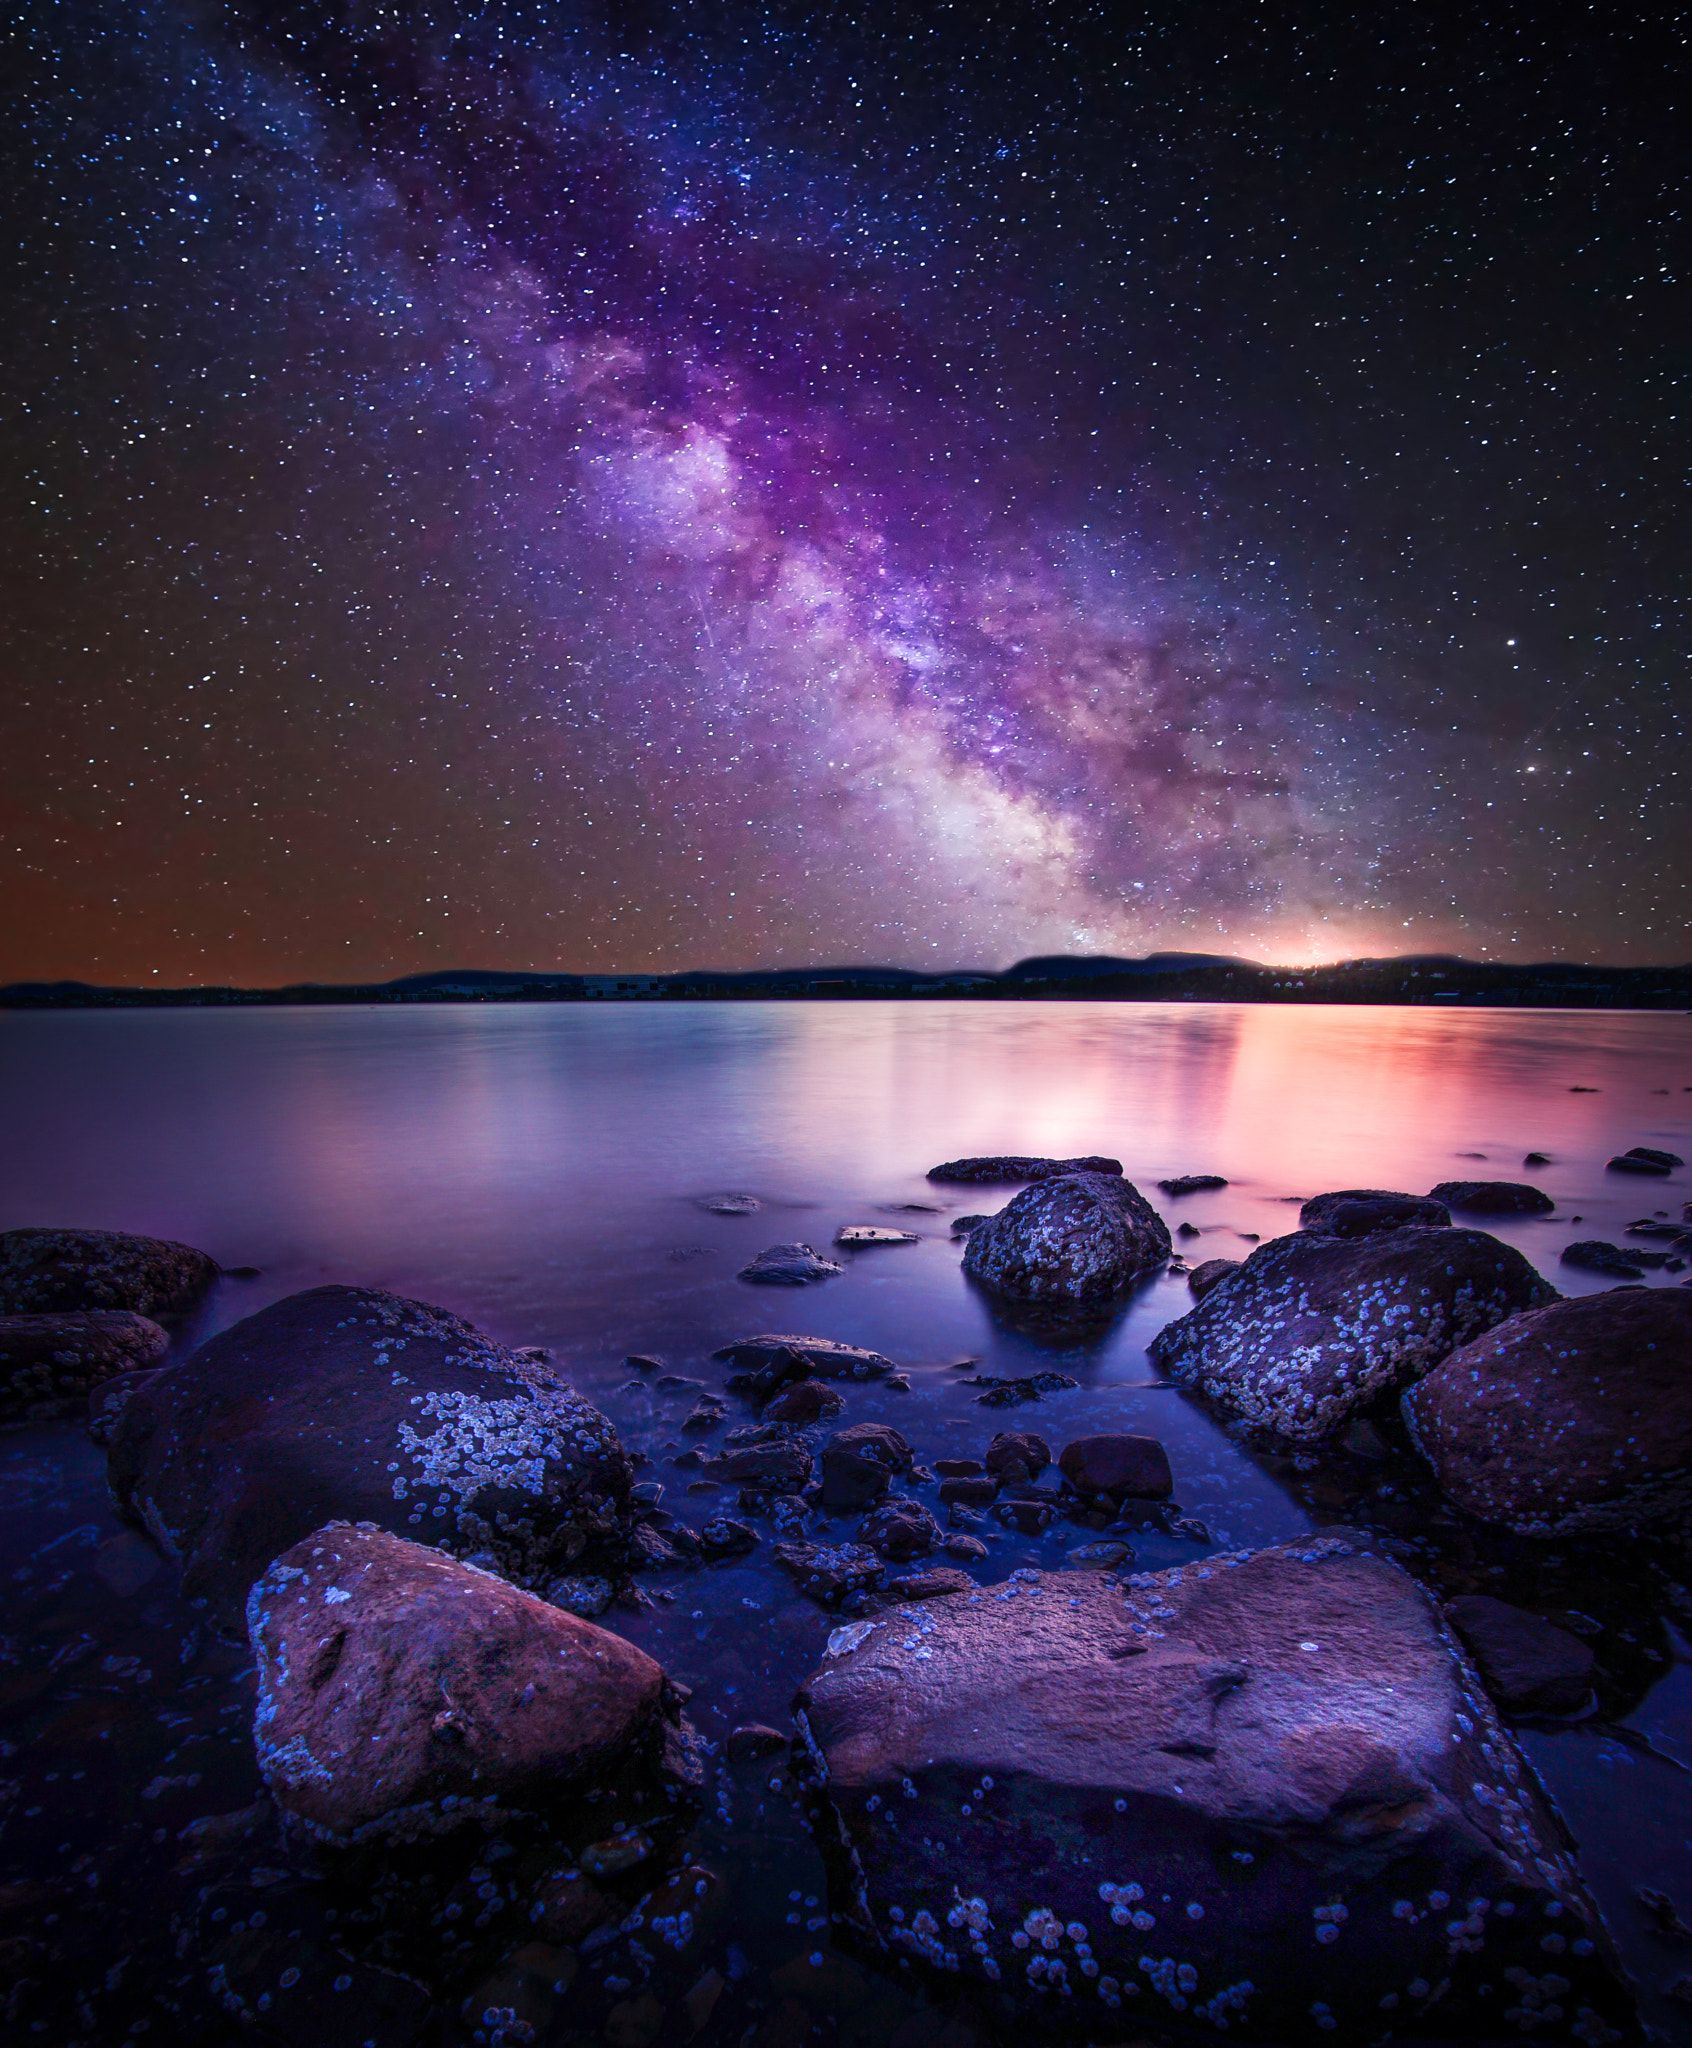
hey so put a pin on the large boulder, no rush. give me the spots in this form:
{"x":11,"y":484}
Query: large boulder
{"x":47,"y":1272}
{"x":1262,"y":1793}
{"x":1005,"y":1167}
{"x":404,"y":1693}
{"x":49,"y":1365}
{"x":1074,"y":1238}
{"x":346,"y":1404}
{"x":1493,"y":1197}
{"x":1576,"y":1416}
{"x":1312,"y":1327}
{"x":1360,"y":1212}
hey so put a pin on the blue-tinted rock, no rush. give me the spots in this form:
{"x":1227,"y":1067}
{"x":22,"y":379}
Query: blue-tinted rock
{"x":1075,"y":1238}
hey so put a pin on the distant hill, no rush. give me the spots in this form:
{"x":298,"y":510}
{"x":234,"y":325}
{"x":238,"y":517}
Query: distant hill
{"x":1159,"y":977}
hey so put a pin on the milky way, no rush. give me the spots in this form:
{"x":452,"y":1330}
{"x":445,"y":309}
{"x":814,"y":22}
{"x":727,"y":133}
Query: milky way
{"x":520,"y":486}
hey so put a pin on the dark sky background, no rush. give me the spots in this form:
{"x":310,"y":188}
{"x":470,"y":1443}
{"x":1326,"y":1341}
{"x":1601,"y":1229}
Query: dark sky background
{"x":539,"y":486}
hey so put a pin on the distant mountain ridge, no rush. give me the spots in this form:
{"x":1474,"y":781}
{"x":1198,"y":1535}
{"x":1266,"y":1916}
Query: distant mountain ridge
{"x":1158,"y":977}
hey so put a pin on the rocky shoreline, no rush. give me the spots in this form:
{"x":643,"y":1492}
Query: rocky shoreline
{"x":1274,"y":1793}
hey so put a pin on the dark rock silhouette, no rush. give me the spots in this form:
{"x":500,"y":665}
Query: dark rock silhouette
{"x":1006,"y":1167}
{"x":50,"y":1364}
{"x":1360,"y":1212}
{"x":1074,"y":1238}
{"x":1493,"y":1198}
{"x":48,"y":1272}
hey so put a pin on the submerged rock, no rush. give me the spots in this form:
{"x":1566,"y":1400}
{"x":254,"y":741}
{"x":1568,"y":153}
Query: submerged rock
{"x":1529,"y":1664}
{"x":1573,"y":1417}
{"x":1493,"y":1197}
{"x":1119,"y":1467}
{"x":789,"y":1265}
{"x":1312,"y":1327}
{"x":730,"y":1205}
{"x":1594,"y":1255}
{"x":344,"y":1403}
{"x":1264,"y":1793}
{"x":1004,"y":1167}
{"x":769,"y":1362}
{"x":49,"y":1272}
{"x":403,"y":1693}
{"x":50,"y":1364}
{"x":1078,"y":1237}
{"x":1646,"y":1159}
{"x":1208,"y":1274}
{"x":1360,"y":1212}
{"x":1192,"y":1183}
{"x":854,"y":1237}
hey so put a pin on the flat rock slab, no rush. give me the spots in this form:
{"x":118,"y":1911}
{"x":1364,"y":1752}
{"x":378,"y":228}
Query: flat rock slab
{"x":1574,"y":1417}
{"x":1006,"y":1167}
{"x":1070,"y":1239}
{"x":47,"y":1272}
{"x":807,"y":1357}
{"x":789,"y":1265}
{"x":346,"y":1404}
{"x":1312,"y":1328}
{"x":1265,"y":1790}
{"x":1360,"y":1212}
{"x":859,"y":1236}
{"x":403,"y":1693}
{"x":50,"y":1364}
{"x":1493,"y":1197}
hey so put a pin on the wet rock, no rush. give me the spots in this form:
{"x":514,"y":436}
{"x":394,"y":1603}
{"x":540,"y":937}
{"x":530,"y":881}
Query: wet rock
{"x":966,"y":1549}
{"x":1572,"y":1417}
{"x":1312,"y":1328}
{"x":863,"y":1236}
{"x":900,"y":1530}
{"x":779,"y":1465}
{"x":1493,"y":1197}
{"x":722,"y":1537}
{"x":1192,"y":1183}
{"x":754,"y":1739}
{"x":1593,"y":1255}
{"x":1189,"y":1230}
{"x":788,"y":1265}
{"x":1360,"y":1212}
{"x":1529,"y":1664}
{"x":832,"y":1574}
{"x":1103,"y":1556}
{"x":1005,"y":1167}
{"x":1262,"y":1790}
{"x":1017,"y":1454}
{"x":403,"y":1693}
{"x":1208,"y":1275}
{"x":1017,"y":1393}
{"x":1120,"y":1467}
{"x":1028,"y":1514}
{"x":706,"y":1413}
{"x":730,"y":1205}
{"x":959,"y":1468}
{"x":773,"y":1360}
{"x":1536,"y":1159}
{"x":1645,"y":1159}
{"x":978,"y":1490}
{"x":343,"y":1403}
{"x":805,"y":1401}
{"x":859,"y":1461}
{"x":49,"y":1272}
{"x":50,"y":1364}
{"x":936,"y":1583}
{"x":1076,"y":1237}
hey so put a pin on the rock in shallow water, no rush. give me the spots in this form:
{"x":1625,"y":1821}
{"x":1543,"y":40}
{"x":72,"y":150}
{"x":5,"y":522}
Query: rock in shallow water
{"x":1529,"y":1664}
{"x":1576,"y":1416}
{"x":1360,"y":1212}
{"x":1312,"y":1328}
{"x":1264,"y":1791}
{"x":1119,"y":1467}
{"x":789,"y":1265}
{"x":403,"y":1693}
{"x":51,"y":1271}
{"x":1079,"y":1237}
{"x":344,"y":1403}
{"x":1208,"y":1274}
{"x":50,"y":1364}
{"x":1493,"y":1197}
{"x":1005,"y":1167}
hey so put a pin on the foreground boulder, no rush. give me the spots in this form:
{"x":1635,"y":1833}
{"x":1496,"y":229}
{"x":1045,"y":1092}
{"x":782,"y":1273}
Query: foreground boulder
{"x":402,"y":1693}
{"x":1075,"y":1238}
{"x":1265,"y":1793}
{"x":1005,"y":1167}
{"x":49,"y":1365}
{"x":1312,"y":1328}
{"x":345,"y":1404}
{"x":48,"y":1272}
{"x":1493,"y":1197}
{"x":1577,"y":1416}
{"x":1360,"y":1212}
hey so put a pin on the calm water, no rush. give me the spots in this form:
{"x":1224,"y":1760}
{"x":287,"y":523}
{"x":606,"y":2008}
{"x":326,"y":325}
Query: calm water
{"x":539,"y":1169}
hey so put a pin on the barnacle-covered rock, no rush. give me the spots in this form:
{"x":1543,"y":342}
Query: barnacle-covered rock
{"x":404,"y":1693}
{"x":1577,"y":1416}
{"x":1077,"y":1237}
{"x":46,"y":1272}
{"x":1313,"y":1327}
{"x":1265,"y":1794}
{"x":1360,"y":1212}
{"x":344,"y":1403}
{"x":49,"y":1365}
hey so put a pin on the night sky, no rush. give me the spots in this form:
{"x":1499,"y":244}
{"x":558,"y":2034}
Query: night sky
{"x":547,"y":486}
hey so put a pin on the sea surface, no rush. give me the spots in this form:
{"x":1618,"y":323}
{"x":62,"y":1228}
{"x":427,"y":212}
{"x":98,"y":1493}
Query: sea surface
{"x":540,"y":1169}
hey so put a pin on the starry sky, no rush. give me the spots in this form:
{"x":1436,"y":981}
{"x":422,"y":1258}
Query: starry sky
{"x":548,"y":486}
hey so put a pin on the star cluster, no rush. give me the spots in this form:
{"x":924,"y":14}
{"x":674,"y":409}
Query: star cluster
{"x":517,"y":485}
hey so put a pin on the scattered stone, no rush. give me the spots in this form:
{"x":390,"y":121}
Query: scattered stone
{"x":730,"y":1205}
{"x":1017,"y":1393}
{"x":780,"y":1359}
{"x":643,"y":1361}
{"x":403,"y":1693}
{"x":1210,"y":1274}
{"x":805,"y":1401}
{"x":50,"y":1364}
{"x":1536,"y":1159}
{"x":343,"y":1403}
{"x":979,"y":1490}
{"x":778,"y":1465}
{"x":1646,"y":1159}
{"x":1027,"y":1514}
{"x":1013,"y":1166}
{"x":860,"y":1236}
{"x":1360,"y":1212}
{"x":1188,"y":1230}
{"x":1075,"y":1238}
{"x":1593,"y":1255}
{"x":1312,"y":1328}
{"x":1017,"y":1454}
{"x":832,"y":1574}
{"x":1573,"y":1417}
{"x":1530,"y":1665}
{"x":723,"y":1537}
{"x":959,"y":1468}
{"x":938,"y":1582}
{"x":1119,"y":1467}
{"x":754,"y":1739}
{"x":788,"y":1265}
{"x":1493,"y":1197}
{"x":1192,"y":1183}
{"x":1104,"y":1556}
{"x":900,"y":1530}
{"x":50,"y":1272}
{"x":706,"y":1413}
{"x":967,"y":1549}
{"x":859,"y":1461}
{"x":1203,"y":1796}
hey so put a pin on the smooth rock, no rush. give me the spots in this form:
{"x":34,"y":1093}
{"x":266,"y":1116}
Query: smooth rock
{"x":963,"y":1225}
{"x":1211,"y":1273}
{"x":730,"y":1205}
{"x":1360,"y":1212}
{"x":1005,"y":1167}
{"x":50,"y":1364}
{"x":788,"y":1265}
{"x":1120,"y":1467}
{"x":803,"y":1402}
{"x":50,"y":1272}
{"x":1074,"y":1238}
{"x":1192,"y":1183}
{"x":1594,"y":1255}
{"x":1646,"y":1159}
{"x":1529,"y":1664}
{"x":1312,"y":1328}
{"x":1493,"y":1197}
